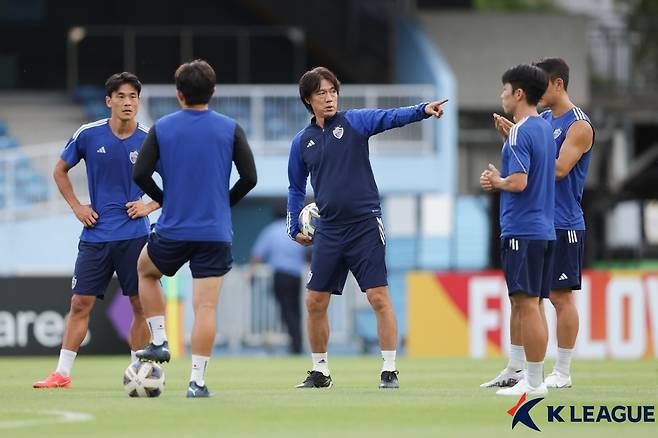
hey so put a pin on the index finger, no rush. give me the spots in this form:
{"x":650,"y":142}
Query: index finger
{"x":441,"y":102}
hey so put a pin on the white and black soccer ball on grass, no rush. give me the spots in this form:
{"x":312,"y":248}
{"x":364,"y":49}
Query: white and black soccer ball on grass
{"x":144,"y":379}
{"x":308,"y":218}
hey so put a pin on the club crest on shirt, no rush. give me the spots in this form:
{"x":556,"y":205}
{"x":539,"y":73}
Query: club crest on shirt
{"x":338,"y":132}
{"x":133,"y":156}
{"x":557,"y":133}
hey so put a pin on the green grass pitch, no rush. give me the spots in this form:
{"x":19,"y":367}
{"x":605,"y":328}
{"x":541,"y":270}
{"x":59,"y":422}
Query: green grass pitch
{"x":255,"y":397}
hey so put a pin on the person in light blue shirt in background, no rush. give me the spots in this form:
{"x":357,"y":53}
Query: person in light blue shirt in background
{"x":286,"y":258}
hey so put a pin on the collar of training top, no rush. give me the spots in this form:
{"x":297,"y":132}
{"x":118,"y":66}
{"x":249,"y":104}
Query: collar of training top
{"x":328,"y":121}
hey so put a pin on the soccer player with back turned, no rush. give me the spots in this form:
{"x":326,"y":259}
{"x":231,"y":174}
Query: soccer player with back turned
{"x":333,"y":149}
{"x":574,"y":135}
{"x":527,"y":200}
{"x":195,"y":148}
{"x":115,"y":224}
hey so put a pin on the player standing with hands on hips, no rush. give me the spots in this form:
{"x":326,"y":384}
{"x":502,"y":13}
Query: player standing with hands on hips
{"x":115,"y":223}
{"x":350,"y":236}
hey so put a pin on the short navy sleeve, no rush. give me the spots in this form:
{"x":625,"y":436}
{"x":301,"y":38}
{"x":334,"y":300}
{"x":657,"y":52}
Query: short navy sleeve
{"x":73,"y":153}
{"x":520,"y":150}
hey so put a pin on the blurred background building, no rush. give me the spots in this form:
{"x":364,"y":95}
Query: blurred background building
{"x":442,"y":231}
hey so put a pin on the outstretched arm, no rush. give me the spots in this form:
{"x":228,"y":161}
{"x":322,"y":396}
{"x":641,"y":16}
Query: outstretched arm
{"x":370,"y":122}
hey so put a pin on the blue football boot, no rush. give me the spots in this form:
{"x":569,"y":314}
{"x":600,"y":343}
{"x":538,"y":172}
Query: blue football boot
{"x":196,"y":391}
{"x":155,"y":353}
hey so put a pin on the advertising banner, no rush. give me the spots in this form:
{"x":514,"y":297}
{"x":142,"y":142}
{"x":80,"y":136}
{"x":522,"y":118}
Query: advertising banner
{"x":33,"y":312}
{"x":467,"y":315}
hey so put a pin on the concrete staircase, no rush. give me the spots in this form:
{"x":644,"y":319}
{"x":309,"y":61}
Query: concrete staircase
{"x":36,"y":117}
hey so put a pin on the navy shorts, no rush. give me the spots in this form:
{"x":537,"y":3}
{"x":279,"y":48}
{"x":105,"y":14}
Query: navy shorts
{"x":97,"y":262}
{"x":207,"y":259}
{"x":528,"y":265}
{"x":358,"y":247}
{"x":569,"y":255}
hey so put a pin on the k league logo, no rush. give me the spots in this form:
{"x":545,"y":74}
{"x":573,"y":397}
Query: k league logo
{"x":338,"y":132}
{"x":520,"y":413}
{"x":133,"y":156}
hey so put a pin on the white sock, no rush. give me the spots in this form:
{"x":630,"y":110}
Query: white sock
{"x":563,"y":364}
{"x":535,"y":374}
{"x":133,"y":356}
{"x":199,"y":365}
{"x":320,"y":363}
{"x":157,"y":327}
{"x":516,"y":358}
{"x":389,"y":360}
{"x":66,"y":358}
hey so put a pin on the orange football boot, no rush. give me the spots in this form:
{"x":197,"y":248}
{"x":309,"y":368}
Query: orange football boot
{"x":54,"y":380}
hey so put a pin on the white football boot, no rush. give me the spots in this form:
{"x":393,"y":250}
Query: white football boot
{"x":557,"y":380}
{"x":504,"y":379}
{"x":524,"y":388}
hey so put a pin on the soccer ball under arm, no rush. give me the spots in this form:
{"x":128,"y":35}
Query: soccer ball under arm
{"x":308,"y":218}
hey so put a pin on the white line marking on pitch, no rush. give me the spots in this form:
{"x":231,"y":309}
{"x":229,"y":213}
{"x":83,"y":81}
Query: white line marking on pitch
{"x":59,"y":417}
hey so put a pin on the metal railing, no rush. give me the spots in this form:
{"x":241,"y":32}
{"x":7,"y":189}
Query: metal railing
{"x":270,"y":115}
{"x":27,"y":188}
{"x":249,"y":317}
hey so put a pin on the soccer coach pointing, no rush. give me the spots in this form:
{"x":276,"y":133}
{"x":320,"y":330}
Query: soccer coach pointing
{"x":195,"y":148}
{"x":333,"y":150}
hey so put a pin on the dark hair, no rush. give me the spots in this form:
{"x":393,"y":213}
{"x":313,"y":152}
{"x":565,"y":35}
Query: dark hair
{"x":118,"y":79}
{"x":310,"y":83}
{"x":196,"y":80}
{"x":532,"y":80}
{"x":555,"y":68}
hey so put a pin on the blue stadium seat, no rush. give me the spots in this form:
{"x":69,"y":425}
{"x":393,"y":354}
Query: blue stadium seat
{"x":96,"y":110}
{"x":89,"y":93}
{"x":4,"y":128}
{"x":35,"y":190}
{"x":8,"y":142}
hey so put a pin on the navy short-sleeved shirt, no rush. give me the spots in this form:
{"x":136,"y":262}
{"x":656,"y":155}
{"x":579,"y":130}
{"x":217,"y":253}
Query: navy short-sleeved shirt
{"x":109,"y":161}
{"x":529,"y":149}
